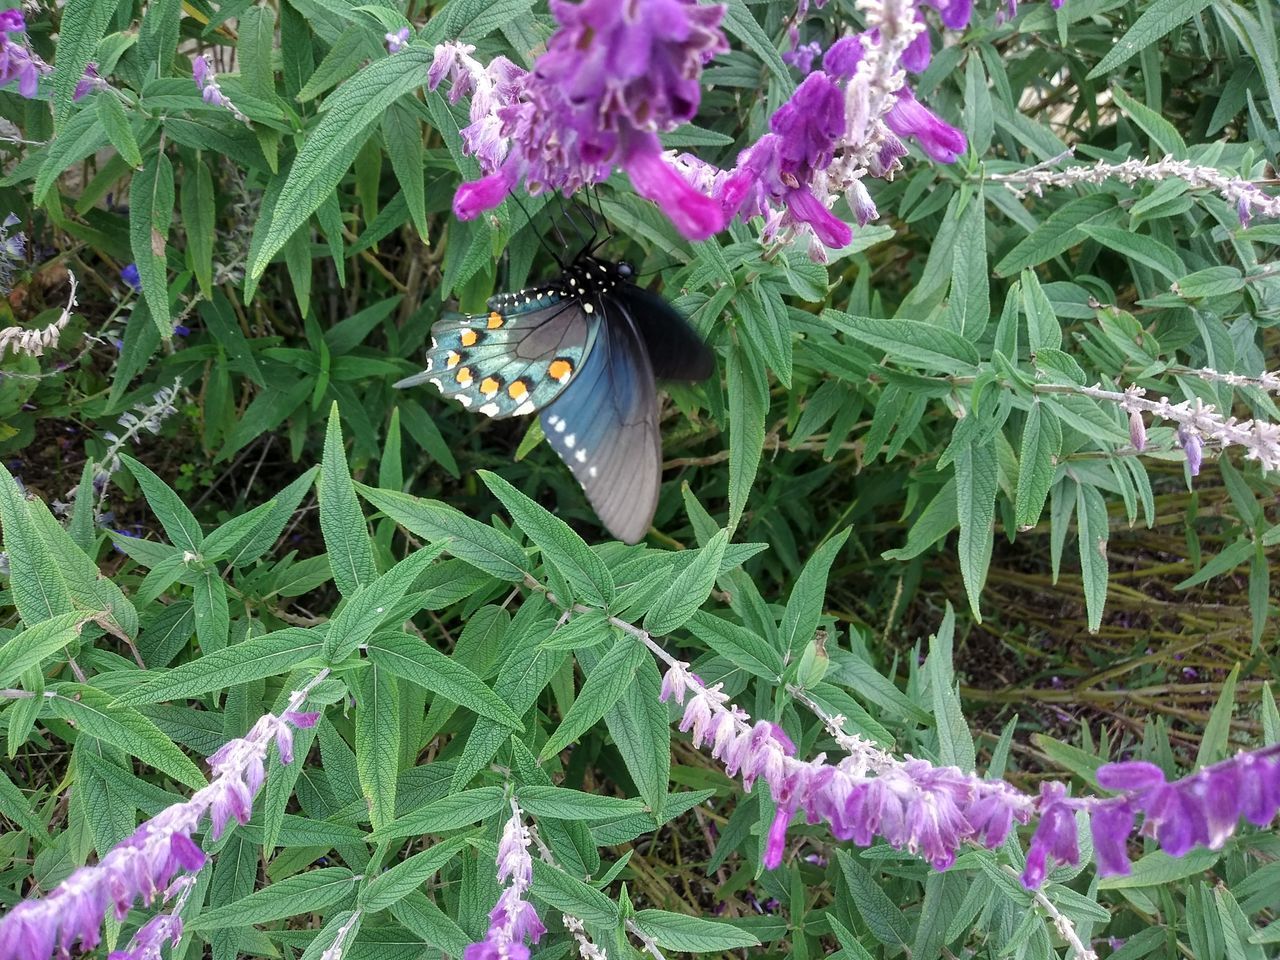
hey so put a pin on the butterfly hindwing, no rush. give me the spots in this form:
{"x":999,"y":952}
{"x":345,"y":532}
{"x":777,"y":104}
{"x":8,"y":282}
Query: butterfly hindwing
{"x":604,"y":425}
{"x":513,"y":361}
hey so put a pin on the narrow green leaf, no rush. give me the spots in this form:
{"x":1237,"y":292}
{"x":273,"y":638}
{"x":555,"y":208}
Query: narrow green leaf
{"x":371,"y":603}
{"x":1139,"y":248}
{"x":180,"y":525}
{"x":79,"y":30}
{"x":95,"y":714}
{"x":402,"y":134}
{"x":346,"y":536}
{"x":213,"y":618}
{"x":910,"y":342}
{"x":565,"y":804}
{"x":304,"y":893}
{"x":689,"y":590}
{"x":559,"y":544}
{"x":116,"y":123}
{"x":804,"y":607}
{"x":603,"y":688}
{"x":641,"y":730}
{"x":1094,"y":532}
{"x":1037,"y":464}
{"x":977,"y":471}
{"x":377,"y":742}
{"x":198,"y":223}
{"x":334,"y":141}
{"x":1057,"y":233}
{"x":678,"y":931}
{"x":29,"y":647}
{"x":150,"y":213}
{"x":392,"y":886}
{"x":38,"y":586}
{"x":449,"y":813}
{"x":1215,"y":745}
{"x":742,"y":647}
{"x":1157,"y":19}
{"x":748,"y":407}
{"x":882,"y":916}
{"x":478,"y":544}
{"x":427,"y":667}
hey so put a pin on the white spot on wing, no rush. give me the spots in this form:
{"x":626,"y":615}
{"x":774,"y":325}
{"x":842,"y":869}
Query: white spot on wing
{"x":570,"y":440}
{"x":581,"y":456}
{"x":552,"y":420}
{"x":560,"y":426}
{"x":524,"y":408}
{"x":588,"y":308}
{"x":436,"y":382}
{"x":593,"y":471}
{"x":489,"y":409}
{"x":463,"y":399}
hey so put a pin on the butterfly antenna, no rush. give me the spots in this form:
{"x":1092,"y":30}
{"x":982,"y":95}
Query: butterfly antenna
{"x":584,"y":246}
{"x":541,"y":239}
{"x":608,"y":234}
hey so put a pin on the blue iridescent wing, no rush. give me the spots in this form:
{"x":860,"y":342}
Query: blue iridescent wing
{"x":676,"y":352}
{"x":516,"y":358}
{"x":604,"y":425}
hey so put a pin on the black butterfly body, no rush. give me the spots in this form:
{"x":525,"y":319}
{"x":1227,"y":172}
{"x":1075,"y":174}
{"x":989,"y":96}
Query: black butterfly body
{"x":583,"y":350}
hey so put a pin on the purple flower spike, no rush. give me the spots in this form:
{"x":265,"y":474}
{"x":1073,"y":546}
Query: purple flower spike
{"x":910,"y":118}
{"x":17,"y":60}
{"x":1055,"y":840}
{"x":513,"y":918}
{"x":917,"y":56}
{"x":955,"y":13}
{"x":802,"y":57}
{"x":130,"y":276}
{"x":142,"y":866}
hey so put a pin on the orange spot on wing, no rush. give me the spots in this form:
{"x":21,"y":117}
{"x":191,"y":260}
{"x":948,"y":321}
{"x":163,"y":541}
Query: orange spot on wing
{"x":560,"y":369}
{"x":453,"y":359}
{"x":518,"y":390}
{"x":469,"y":338}
{"x":495,"y":320}
{"x":489,"y":386}
{"x":464,"y":375}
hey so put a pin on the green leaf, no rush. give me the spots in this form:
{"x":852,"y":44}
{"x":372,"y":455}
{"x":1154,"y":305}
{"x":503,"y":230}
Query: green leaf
{"x":603,"y":688}
{"x":1163,"y":133}
{"x":269,"y":655}
{"x":364,"y":611}
{"x":269,"y":530}
{"x":180,"y":525}
{"x":565,"y":804}
{"x":402,"y":134}
{"x":1037,"y":464}
{"x":304,"y":893}
{"x":470,"y":540}
{"x":79,"y":30}
{"x":449,"y":813}
{"x":213,"y":618}
{"x":16,"y":808}
{"x":116,"y":123}
{"x":743,"y":648}
{"x":150,"y":213}
{"x":38,"y":586}
{"x":977,"y":472}
{"x":1158,"y":19}
{"x":332,"y":145}
{"x":427,"y":667}
{"x":748,"y":407}
{"x":346,"y":536}
{"x":804,"y":606}
{"x":1157,"y":869}
{"x":1057,"y":233}
{"x":910,"y":342}
{"x":95,"y":714}
{"x":741,"y":22}
{"x":1094,"y":532}
{"x":882,"y":916}
{"x":678,"y":931}
{"x":392,"y":886}
{"x":641,"y":730}
{"x":377,"y":742}
{"x":198,"y":223}
{"x":29,"y":647}
{"x":559,"y":544}
{"x":1138,"y":248}
{"x":1210,"y":282}
{"x":235,"y":531}
{"x":82,"y":136}
{"x":689,"y":590}
{"x":570,"y":895}
{"x":1043,"y":329}
{"x":1215,"y":745}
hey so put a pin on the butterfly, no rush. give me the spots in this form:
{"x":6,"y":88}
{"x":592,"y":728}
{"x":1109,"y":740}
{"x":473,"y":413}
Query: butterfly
{"x":584,"y":352}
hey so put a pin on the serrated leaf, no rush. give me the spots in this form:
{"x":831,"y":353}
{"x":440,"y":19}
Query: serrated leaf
{"x":269,"y":530}
{"x":882,"y":916}
{"x":1041,"y":444}
{"x":804,"y":606}
{"x":423,"y":665}
{"x":349,"y":114}
{"x":742,"y":647}
{"x":151,"y":199}
{"x":116,"y":123}
{"x":79,"y":30}
{"x":95,"y":713}
{"x":1158,"y":19}
{"x":304,"y":893}
{"x":565,"y":804}
{"x":28,"y":648}
{"x":689,"y":590}
{"x":39,"y":589}
{"x":480,"y":545}
{"x":346,"y":535}
{"x":269,"y":655}
{"x":1057,"y":233}
{"x":909,"y":341}
{"x":392,"y":886}
{"x":180,"y":525}
{"x":570,"y":895}
{"x":377,"y":742}
{"x":458,"y":810}
{"x":977,"y":472}
{"x":1158,"y":869}
{"x":1137,"y":247}
{"x":364,"y":611}
{"x":559,"y":544}
{"x":603,"y":688}
{"x":1093,"y":533}
{"x":748,"y":407}
{"x":679,"y":931}
{"x":641,"y":730}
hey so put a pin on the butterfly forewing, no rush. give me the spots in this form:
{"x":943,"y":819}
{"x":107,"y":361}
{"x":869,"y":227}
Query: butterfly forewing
{"x":604,"y":425}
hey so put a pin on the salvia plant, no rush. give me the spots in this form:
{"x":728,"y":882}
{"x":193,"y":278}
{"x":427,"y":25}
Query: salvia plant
{"x":940,"y":619}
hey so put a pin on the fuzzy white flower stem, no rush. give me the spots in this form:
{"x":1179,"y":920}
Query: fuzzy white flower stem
{"x":1235,"y":190}
{"x":1066,"y":929}
{"x":34,"y":343}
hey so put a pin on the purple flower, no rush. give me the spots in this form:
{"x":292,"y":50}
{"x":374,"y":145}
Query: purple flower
{"x":1137,"y":431}
{"x":397,"y":41}
{"x":143,"y":865}
{"x":89,"y":82}
{"x":802,"y":57}
{"x":1054,"y":840}
{"x":843,"y":56}
{"x":1193,"y":447}
{"x":910,"y":118}
{"x":210,"y":92}
{"x":513,"y":919}
{"x":17,"y":61}
{"x":130,"y":276}
{"x":920,"y":51}
{"x":614,"y":75}
{"x":955,"y":13}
